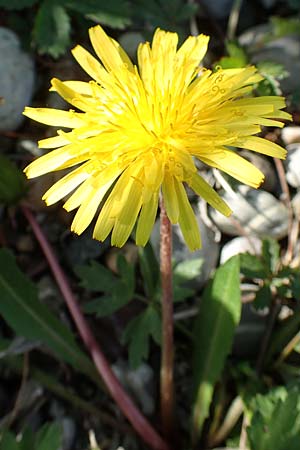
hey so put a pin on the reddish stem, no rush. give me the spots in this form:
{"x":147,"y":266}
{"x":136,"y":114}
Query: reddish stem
{"x":167,"y":357}
{"x":126,"y":405}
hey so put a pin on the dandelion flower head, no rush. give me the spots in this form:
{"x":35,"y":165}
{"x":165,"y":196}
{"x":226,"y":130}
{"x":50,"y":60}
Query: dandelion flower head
{"x":136,"y":131}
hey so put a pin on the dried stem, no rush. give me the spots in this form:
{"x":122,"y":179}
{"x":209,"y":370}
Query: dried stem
{"x":167,"y":357}
{"x":126,"y":405}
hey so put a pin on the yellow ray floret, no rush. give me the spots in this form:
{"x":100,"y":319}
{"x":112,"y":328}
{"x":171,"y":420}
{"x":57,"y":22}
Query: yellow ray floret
{"x":135,"y":132}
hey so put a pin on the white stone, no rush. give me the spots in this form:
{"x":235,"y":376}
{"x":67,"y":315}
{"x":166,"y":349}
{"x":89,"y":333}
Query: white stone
{"x":255,"y":211}
{"x":16,"y":80}
{"x":292,"y":164}
{"x":239,"y":245}
{"x":290,"y":135}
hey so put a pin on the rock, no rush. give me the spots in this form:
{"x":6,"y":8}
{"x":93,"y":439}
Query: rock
{"x":209,"y":251}
{"x":16,"y":80}
{"x":296,"y":205}
{"x":292,"y":164}
{"x":239,"y":245}
{"x":254,"y":211}
{"x":284,"y":50}
{"x":290,"y":135}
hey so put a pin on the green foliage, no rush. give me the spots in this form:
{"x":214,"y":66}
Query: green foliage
{"x":52,"y":28}
{"x":28,"y":317}
{"x":49,"y":437}
{"x":236,"y":58}
{"x":118,"y":290}
{"x":214,"y":328}
{"x":12,"y":182}
{"x":138,"y":332}
{"x":17,"y":4}
{"x":275,"y":422}
{"x":167,"y":14}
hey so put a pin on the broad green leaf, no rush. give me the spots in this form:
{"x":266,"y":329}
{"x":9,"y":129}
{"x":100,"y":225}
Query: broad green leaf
{"x":253,"y":266}
{"x":95,"y":277}
{"x":12,"y":182}
{"x":276,"y":421}
{"x":17,"y":4}
{"x":137,"y":335}
{"x":218,"y":317}
{"x":52,"y":29}
{"x":181,"y":293}
{"x":32,"y":319}
{"x":49,"y":437}
{"x":149,"y":269}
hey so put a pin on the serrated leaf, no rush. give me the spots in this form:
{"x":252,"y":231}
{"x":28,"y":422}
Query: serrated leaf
{"x":17,"y":4}
{"x":213,"y":335}
{"x":114,"y":13}
{"x":30,"y":318}
{"x":126,"y":271}
{"x":149,"y":269}
{"x":138,"y":333}
{"x":95,"y":277}
{"x":12,"y":182}
{"x":276,"y":421}
{"x":263,"y":297}
{"x":52,"y":29}
{"x":107,"y":305}
{"x":253,"y":267}
{"x":272,"y":69}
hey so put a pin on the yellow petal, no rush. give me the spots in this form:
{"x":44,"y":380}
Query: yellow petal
{"x":170,"y":198}
{"x":146,"y":220}
{"x":187,"y":220}
{"x":264,"y":146}
{"x":55,"y":117}
{"x":90,"y":65}
{"x":204,"y":190}
{"x":236,"y":166}
{"x":65,"y":185}
{"x":109,"y":51}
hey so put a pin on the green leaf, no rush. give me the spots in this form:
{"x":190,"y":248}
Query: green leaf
{"x":270,"y":253}
{"x":214,"y":329}
{"x":52,"y":29}
{"x":49,"y":437}
{"x":30,"y":318}
{"x":12,"y":182}
{"x":95,"y":277}
{"x":253,"y":267}
{"x":181,"y":293}
{"x":106,"y":305}
{"x":276,"y":421}
{"x":8,"y":441}
{"x":114,"y":13}
{"x":126,"y":271}
{"x":263,"y":297}
{"x":282,"y":335}
{"x":149,"y":269}
{"x":138,"y":332}
{"x":17,"y":4}
{"x":272,"y":69}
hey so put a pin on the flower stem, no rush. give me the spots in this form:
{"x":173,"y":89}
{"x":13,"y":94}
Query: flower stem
{"x":167,"y":357}
{"x":126,"y":405}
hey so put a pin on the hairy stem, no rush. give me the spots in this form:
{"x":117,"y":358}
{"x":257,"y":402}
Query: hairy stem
{"x":126,"y":405}
{"x":167,"y":356}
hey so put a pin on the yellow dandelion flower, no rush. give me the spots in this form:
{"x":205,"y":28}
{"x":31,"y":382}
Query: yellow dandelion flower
{"x":136,"y":131}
